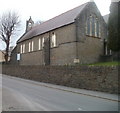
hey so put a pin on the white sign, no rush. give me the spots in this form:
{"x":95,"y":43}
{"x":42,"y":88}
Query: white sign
{"x":76,"y":60}
{"x":18,"y":57}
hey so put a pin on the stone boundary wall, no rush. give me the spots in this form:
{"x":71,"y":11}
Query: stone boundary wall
{"x":98,"y":78}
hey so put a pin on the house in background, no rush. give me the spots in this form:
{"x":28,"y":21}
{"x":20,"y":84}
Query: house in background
{"x":76,"y":36}
{"x":1,"y":56}
{"x":2,"y":59}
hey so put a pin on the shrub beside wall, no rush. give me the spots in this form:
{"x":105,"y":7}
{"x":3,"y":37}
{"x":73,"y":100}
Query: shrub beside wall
{"x":98,"y":78}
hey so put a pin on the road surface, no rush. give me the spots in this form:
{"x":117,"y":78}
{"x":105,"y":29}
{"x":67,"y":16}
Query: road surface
{"x":24,"y":95}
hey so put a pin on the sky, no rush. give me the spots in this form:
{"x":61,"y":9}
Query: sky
{"x":42,"y":10}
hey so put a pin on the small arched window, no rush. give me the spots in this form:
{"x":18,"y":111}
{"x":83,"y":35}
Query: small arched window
{"x":39,"y":44}
{"x":53,"y":40}
{"x":29,"y":50}
{"x":21,"y":49}
{"x":92,"y":26}
{"x":43,"y":41}
{"x":32,"y":46}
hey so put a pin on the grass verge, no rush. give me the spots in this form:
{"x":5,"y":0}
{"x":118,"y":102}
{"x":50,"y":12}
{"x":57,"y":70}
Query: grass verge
{"x":114,"y":63}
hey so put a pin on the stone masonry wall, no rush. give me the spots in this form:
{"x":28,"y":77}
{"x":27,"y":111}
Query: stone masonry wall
{"x":85,"y":77}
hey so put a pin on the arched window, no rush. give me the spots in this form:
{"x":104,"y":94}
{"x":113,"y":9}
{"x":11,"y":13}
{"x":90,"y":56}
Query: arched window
{"x":88,"y":27}
{"x":29,"y":47}
{"x":32,"y":46}
{"x":92,"y":27}
{"x":53,"y":40}
{"x":43,"y":41}
{"x":97,"y":28}
{"x":21,"y":49}
{"x":39,"y":44}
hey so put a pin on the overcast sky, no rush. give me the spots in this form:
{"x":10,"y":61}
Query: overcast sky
{"x":44,"y":9}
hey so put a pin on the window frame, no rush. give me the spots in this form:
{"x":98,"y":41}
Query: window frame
{"x":32,"y":46}
{"x":21,"y":48}
{"x":29,"y":47}
{"x":53,"y":42}
{"x":39,"y":44}
{"x":93,"y":26}
{"x":43,"y":41}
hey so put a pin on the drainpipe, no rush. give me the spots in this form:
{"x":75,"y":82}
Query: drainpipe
{"x":76,"y":34}
{"x":49,"y":50}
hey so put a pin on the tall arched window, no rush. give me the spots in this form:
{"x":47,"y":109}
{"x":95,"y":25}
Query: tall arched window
{"x":92,"y":27}
{"x":88,"y":27}
{"x":97,"y":28}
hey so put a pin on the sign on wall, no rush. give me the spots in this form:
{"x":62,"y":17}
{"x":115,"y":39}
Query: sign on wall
{"x":18,"y":57}
{"x":76,"y":60}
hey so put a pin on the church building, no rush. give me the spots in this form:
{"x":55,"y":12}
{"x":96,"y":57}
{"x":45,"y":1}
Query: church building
{"x":76,"y":36}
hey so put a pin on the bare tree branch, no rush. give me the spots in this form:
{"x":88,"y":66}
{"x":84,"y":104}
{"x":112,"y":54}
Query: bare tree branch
{"x":8,"y":25}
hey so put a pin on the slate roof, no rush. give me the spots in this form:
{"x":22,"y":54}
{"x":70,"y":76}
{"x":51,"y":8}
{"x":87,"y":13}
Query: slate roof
{"x":56,"y":22}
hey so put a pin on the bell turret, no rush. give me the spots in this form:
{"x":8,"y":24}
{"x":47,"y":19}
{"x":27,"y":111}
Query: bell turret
{"x":29,"y":24}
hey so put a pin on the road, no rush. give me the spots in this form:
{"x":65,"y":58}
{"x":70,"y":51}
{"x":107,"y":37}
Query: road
{"x":24,"y":95}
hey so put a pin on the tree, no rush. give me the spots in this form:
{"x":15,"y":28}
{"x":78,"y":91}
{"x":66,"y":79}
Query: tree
{"x":114,"y":27}
{"x":8,"y":25}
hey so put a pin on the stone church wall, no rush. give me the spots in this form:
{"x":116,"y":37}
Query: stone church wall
{"x":89,"y":48}
{"x":63,"y":53}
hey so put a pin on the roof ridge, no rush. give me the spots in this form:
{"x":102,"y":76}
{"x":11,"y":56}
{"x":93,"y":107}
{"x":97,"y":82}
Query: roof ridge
{"x":60,"y":14}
